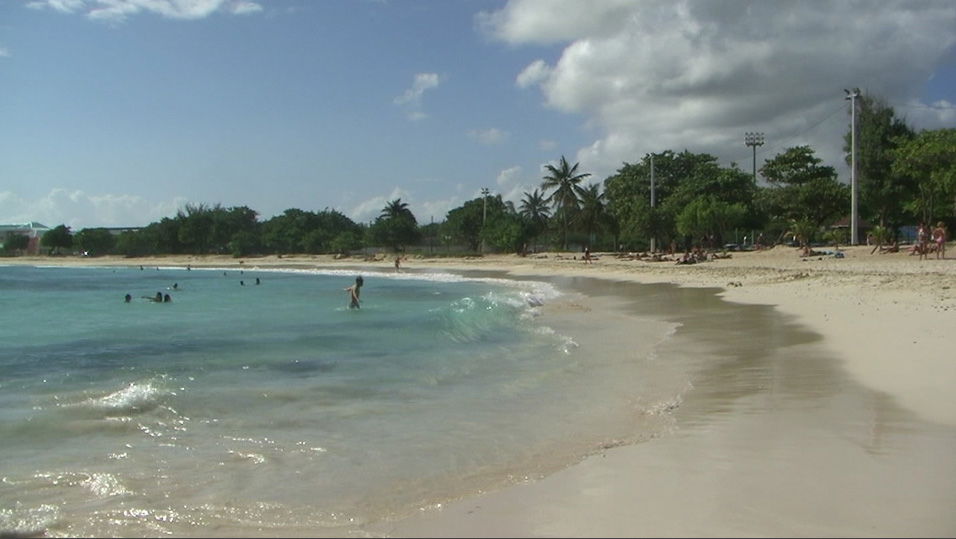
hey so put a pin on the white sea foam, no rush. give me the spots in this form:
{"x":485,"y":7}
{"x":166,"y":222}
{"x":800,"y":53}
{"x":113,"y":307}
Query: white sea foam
{"x":137,"y":397}
{"x":24,"y":521}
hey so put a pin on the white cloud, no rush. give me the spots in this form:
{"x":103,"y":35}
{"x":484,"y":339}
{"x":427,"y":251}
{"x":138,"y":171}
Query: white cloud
{"x":63,"y":6}
{"x":547,"y":145}
{"x":436,"y":209}
{"x":120,"y":10}
{"x":79,"y":210}
{"x":245,"y":7}
{"x":488,"y":137}
{"x":508,"y":176}
{"x":658,"y":74}
{"x":536,"y":72}
{"x":411,"y":99}
{"x":5,"y":52}
{"x":371,"y":208}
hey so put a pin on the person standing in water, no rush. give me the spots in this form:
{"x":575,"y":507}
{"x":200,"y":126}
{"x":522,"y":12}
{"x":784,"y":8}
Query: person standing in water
{"x":354,"y":292}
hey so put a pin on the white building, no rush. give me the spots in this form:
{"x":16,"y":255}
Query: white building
{"x":32,"y":230}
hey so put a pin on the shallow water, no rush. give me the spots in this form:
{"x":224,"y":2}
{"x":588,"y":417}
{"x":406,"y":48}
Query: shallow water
{"x":273,"y":409}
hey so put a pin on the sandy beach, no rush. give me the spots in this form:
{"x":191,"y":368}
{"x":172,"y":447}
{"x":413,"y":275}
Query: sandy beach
{"x":857,"y":441}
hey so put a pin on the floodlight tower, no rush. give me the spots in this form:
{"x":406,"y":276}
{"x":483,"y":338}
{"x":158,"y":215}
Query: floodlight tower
{"x":754,"y":140}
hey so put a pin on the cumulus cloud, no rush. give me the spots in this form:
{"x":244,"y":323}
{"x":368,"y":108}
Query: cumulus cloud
{"x":436,"y":209}
{"x":85,"y":210}
{"x":371,"y":208}
{"x":411,"y":99}
{"x":120,"y":10}
{"x":488,"y":137}
{"x":535,"y":73}
{"x":508,"y":176}
{"x":655,"y":75}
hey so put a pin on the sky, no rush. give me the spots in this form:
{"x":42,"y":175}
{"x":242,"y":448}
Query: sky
{"x":118,"y":113}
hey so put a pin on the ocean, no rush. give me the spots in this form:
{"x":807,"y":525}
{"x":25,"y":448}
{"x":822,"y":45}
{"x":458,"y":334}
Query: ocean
{"x":273,"y":409}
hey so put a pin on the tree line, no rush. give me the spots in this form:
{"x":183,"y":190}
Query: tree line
{"x":904,"y":177}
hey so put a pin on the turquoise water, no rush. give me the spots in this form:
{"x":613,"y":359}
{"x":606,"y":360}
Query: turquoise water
{"x":273,"y":409}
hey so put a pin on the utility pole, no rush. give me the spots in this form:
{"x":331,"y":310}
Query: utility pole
{"x":653,"y":242}
{"x":854,"y":192}
{"x":754,"y":140}
{"x":484,"y":215}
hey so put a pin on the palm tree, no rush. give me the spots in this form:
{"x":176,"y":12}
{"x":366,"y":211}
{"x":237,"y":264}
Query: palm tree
{"x":593,"y":211}
{"x":564,"y":180}
{"x":535,"y":209}
{"x":394,"y":209}
{"x":396,"y":226}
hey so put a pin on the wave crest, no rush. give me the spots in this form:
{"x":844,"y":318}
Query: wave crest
{"x":137,"y":397}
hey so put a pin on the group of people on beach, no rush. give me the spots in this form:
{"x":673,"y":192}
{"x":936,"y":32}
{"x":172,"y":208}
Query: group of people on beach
{"x":930,"y":241}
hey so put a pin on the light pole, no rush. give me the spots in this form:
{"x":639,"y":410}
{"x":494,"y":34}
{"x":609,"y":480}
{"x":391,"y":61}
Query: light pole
{"x":484,"y":215}
{"x":754,"y":140}
{"x":653,"y":242}
{"x":854,"y":233}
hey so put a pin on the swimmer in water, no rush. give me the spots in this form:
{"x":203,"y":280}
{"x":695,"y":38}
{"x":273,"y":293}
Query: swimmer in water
{"x":354,"y":292}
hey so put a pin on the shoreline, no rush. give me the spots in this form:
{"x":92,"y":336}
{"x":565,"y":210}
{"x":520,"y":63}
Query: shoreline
{"x":870,"y":309}
{"x":885,"y":320}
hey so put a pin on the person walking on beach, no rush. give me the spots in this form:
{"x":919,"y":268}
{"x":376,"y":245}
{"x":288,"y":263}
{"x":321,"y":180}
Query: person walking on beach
{"x":398,"y":263}
{"x":587,"y":255}
{"x":939,"y":236}
{"x":354,"y":292}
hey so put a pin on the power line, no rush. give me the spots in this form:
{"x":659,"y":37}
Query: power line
{"x":779,"y":145}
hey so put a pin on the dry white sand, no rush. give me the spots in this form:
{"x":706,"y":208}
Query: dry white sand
{"x":865,"y":445}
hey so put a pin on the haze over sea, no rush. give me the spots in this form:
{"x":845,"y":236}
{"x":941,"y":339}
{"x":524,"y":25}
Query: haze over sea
{"x":274,"y":409}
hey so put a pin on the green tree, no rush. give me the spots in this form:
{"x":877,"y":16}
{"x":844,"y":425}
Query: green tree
{"x":803,"y":190}
{"x":16,"y":243}
{"x":235,"y":230}
{"x":679,"y":178}
{"x":57,"y":239}
{"x":195,"y":228}
{"x":95,"y":241}
{"x":593,"y":215}
{"x":396,"y":226}
{"x":534,"y":209}
{"x":881,"y":188}
{"x":710,"y":217}
{"x":463,"y":224}
{"x":929,"y":160}
{"x":346,"y":241}
{"x":283,"y":234}
{"x":564,"y":183}
{"x":476,"y":220}
{"x":507,"y":232}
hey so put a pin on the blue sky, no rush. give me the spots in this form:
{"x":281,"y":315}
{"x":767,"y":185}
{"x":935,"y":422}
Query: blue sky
{"x":120,"y":112}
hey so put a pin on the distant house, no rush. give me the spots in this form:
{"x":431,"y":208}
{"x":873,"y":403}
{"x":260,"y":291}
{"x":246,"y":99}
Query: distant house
{"x":32,"y":230}
{"x":863,"y":227}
